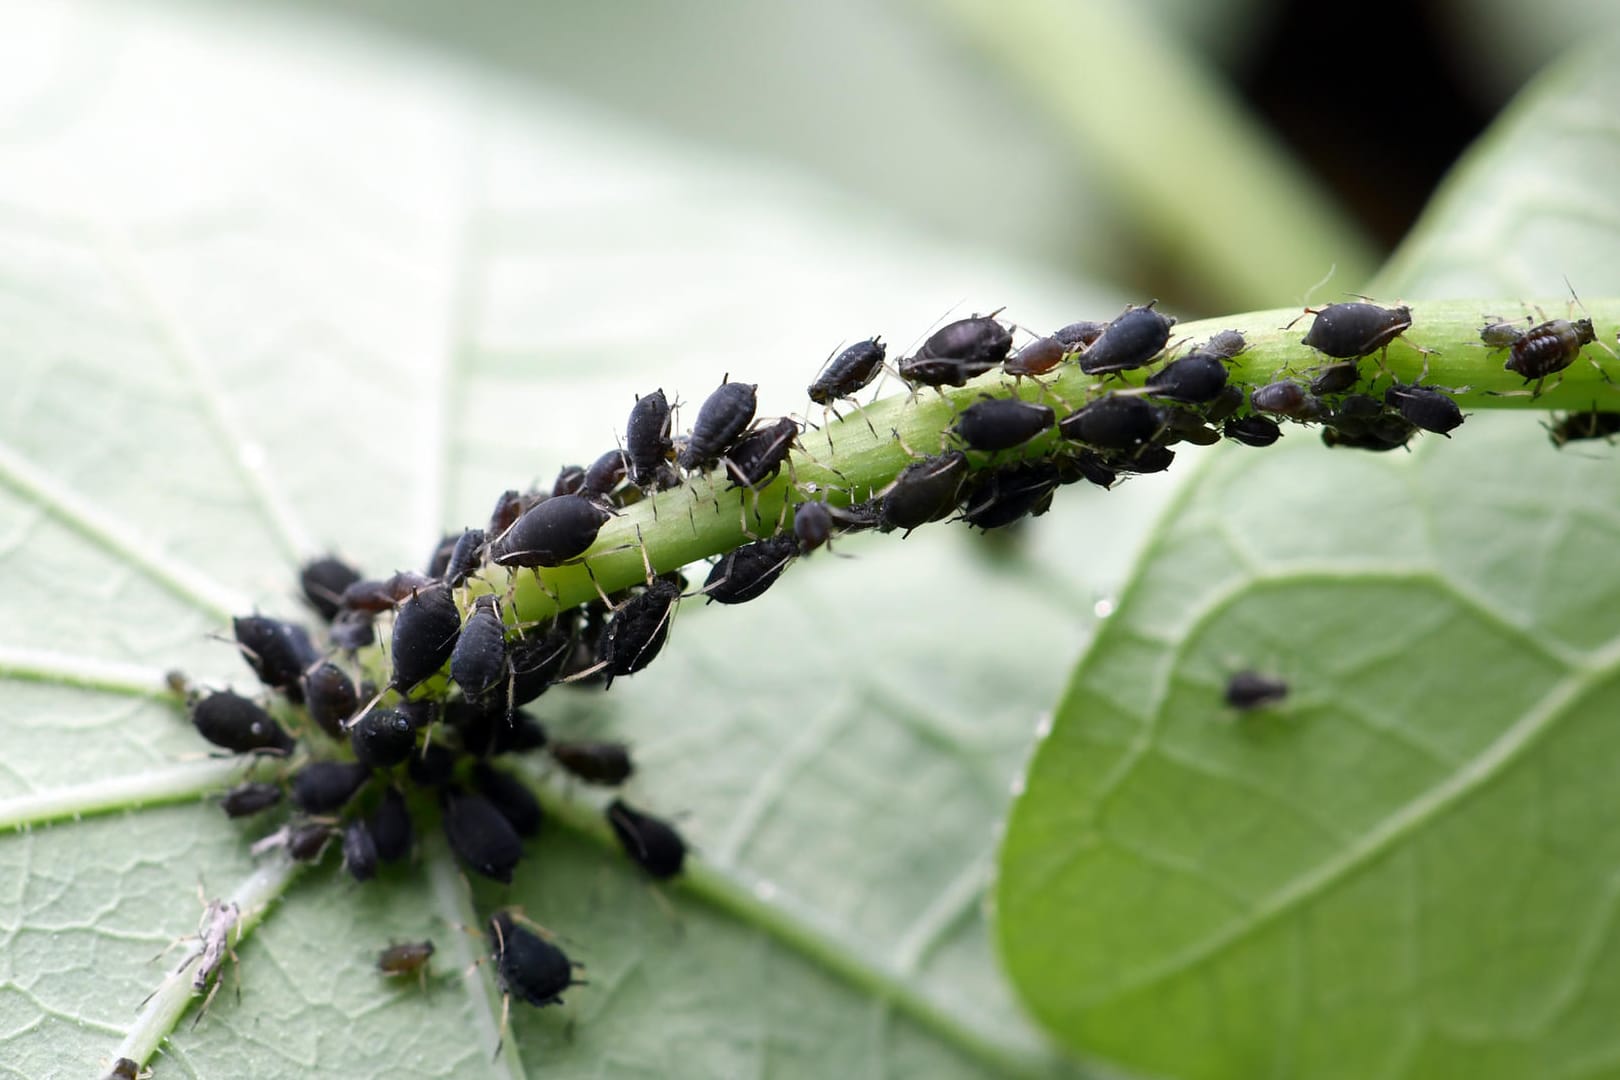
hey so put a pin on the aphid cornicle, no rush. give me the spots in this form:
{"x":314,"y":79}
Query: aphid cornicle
{"x":551,"y":533}
{"x":1002,"y":423}
{"x":1425,"y":407}
{"x":849,"y":372}
{"x":1114,"y":422}
{"x":724,"y":415}
{"x":651,"y":843}
{"x":277,"y":651}
{"x":359,"y":851}
{"x":383,"y":738}
{"x":511,"y":796}
{"x":323,"y":581}
{"x":1351,"y":331}
{"x":325,"y":787}
{"x":480,"y":835}
{"x":1247,"y":690}
{"x":237,"y":724}
{"x":1548,"y":348}
{"x":638,"y":629}
{"x":647,"y":441}
{"x":1131,"y":340}
{"x":479,"y":662}
{"x":926,"y":490}
{"x":744,"y":573}
{"x":425,"y":631}
{"x":245,"y":800}
{"x":605,"y":763}
{"x":957,"y":352}
{"x":758,"y":456}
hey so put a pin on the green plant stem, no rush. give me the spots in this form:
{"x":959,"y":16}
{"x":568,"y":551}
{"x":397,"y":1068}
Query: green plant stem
{"x":854,"y":458}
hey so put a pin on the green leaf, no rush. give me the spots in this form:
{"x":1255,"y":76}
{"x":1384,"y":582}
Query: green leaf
{"x":272,"y":289}
{"x":1406,"y":868}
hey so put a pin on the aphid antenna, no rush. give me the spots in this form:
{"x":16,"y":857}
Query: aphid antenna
{"x":1333,"y":268}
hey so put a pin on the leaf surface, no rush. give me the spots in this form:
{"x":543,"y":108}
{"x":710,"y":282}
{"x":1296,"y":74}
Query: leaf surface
{"x":1406,"y":869}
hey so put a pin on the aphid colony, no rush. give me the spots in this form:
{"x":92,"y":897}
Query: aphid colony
{"x":363,"y":766}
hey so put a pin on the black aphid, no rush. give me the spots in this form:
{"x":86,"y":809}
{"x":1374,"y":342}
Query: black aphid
{"x":330,"y":697}
{"x":1005,"y":495}
{"x":1037,"y":358}
{"x":647,"y":441}
{"x":1078,"y":334}
{"x":391,"y":828}
{"x":352,"y":631}
{"x":307,"y":842}
{"x":465,"y":557}
{"x":651,"y":843}
{"x":245,"y":800}
{"x":1389,"y":431}
{"x":1002,"y":423}
{"x":1185,"y":425}
{"x":957,"y":352}
{"x":1194,"y":379}
{"x":551,"y":533}
{"x":1151,"y":458}
{"x":1227,"y":402}
{"x":479,"y":662}
{"x":510,"y":796}
{"x":323,"y":581}
{"x":1593,"y":424}
{"x":605,"y":763}
{"x":758,"y":456}
{"x":637,"y":630}
{"x":812,"y":526}
{"x":1252,"y":430}
{"x":724,"y":415}
{"x":1285,"y":398}
{"x":1548,"y":348}
{"x":1351,"y":331}
{"x":383,"y":738}
{"x":1087,"y":466}
{"x":508,"y":508}
{"x":124,"y":1069}
{"x":569,"y":480}
{"x":480,"y":835}
{"x":1336,"y":379}
{"x":432,"y":766}
{"x":1131,"y":340}
{"x":278,"y":652}
{"x":926,"y":490}
{"x":325,"y":787}
{"x":604,"y":474}
{"x":1425,"y":407}
{"x":849,"y":371}
{"x":406,"y":958}
{"x":420,"y":714}
{"x":537,"y":659}
{"x":359,"y":851}
{"x":376,"y":597}
{"x":527,"y":966}
{"x":238,"y":724}
{"x":1251,"y":690}
{"x":744,"y":573}
{"x":1115,"y":422}
{"x":440,"y":559}
{"x":425,"y":631}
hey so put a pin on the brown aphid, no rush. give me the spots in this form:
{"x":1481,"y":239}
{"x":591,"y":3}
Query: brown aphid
{"x":406,"y":958}
{"x":1548,"y":348}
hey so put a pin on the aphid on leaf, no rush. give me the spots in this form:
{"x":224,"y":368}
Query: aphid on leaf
{"x":406,"y":958}
{"x":323,"y":581}
{"x":359,"y":851}
{"x":383,"y":738}
{"x":1249,"y":690}
{"x":247,"y":799}
{"x":527,"y":967}
{"x":509,"y":795}
{"x":325,"y":787}
{"x":605,"y":763}
{"x":480,"y":834}
{"x":425,"y":631}
{"x":238,"y":724}
{"x":651,"y":843}
{"x":277,"y":651}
